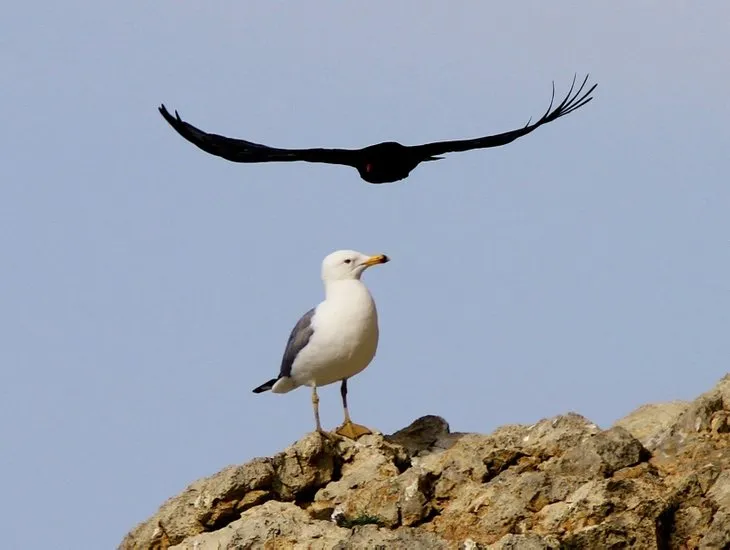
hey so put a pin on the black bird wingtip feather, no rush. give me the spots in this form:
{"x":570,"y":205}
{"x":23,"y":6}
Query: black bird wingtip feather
{"x":574,"y":99}
{"x":167,"y":116}
{"x":164,"y":112}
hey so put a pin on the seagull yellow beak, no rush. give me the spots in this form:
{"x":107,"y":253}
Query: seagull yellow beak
{"x":375,"y":260}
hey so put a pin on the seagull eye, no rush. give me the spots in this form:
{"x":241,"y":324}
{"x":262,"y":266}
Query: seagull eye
{"x":348,"y":260}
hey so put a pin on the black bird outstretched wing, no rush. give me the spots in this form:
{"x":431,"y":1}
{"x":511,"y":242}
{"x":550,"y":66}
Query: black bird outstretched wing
{"x":571,"y":102}
{"x":239,"y":150}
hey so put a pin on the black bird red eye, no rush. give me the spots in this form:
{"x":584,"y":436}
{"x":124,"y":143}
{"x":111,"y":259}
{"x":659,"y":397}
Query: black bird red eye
{"x":348,"y":260}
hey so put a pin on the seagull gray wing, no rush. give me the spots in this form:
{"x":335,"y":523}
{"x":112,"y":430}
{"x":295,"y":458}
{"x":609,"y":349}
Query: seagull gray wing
{"x":298,"y":340}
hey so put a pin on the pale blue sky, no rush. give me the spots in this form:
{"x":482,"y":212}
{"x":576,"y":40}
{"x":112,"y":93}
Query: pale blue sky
{"x":147,"y":287}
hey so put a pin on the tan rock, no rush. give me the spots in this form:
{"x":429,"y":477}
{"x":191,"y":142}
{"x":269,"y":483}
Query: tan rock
{"x":650,"y":422}
{"x":698,"y":416}
{"x":423,"y":434}
{"x":554,"y":436}
{"x":559,"y":483}
{"x":601,"y":454}
{"x":205,"y":505}
{"x":215,"y":501}
{"x":369,"y":482}
{"x":306,"y":465}
{"x":280,"y":525}
{"x":718,"y":533}
{"x":525,"y":542}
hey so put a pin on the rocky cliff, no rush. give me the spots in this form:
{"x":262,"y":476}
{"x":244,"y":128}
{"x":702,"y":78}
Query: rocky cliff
{"x":659,"y":478}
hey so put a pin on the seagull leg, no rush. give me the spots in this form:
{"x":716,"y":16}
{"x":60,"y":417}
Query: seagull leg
{"x":348,"y":428}
{"x":315,"y":406}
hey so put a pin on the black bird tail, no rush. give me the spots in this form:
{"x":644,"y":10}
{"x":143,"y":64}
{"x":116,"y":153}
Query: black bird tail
{"x":266,"y":386}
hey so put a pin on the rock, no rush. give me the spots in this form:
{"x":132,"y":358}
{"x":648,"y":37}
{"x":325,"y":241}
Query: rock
{"x":719,"y":493}
{"x":660,"y":478}
{"x":698,"y":416}
{"x":370,"y":481}
{"x":405,"y":538}
{"x":307,"y":465}
{"x":525,"y":542}
{"x":215,"y":501}
{"x":286,"y":526}
{"x":648,"y":423}
{"x":554,"y":436}
{"x":271,"y":523}
{"x":602,"y":454}
{"x":205,"y":505}
{"x":718,"y":533}
{"x":422,"y":434}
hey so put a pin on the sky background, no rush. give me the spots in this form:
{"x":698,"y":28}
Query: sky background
{"x":146,"y":287}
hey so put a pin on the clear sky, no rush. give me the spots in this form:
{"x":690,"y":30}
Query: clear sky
{"x":146,"y":287}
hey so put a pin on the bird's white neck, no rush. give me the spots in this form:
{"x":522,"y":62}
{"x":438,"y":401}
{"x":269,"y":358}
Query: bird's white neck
{"x":350,"y":302}
{"x":344,"y":287}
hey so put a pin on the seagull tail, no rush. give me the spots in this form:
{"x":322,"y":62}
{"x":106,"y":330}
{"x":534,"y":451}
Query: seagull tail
{"x":433,"y":158}
{"x":266,"y":386}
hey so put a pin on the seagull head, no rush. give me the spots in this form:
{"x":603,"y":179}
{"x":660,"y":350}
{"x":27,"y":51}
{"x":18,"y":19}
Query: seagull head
{"x":349,"y":264}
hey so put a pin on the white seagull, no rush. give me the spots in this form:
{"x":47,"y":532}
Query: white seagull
{"x":335,"y":340}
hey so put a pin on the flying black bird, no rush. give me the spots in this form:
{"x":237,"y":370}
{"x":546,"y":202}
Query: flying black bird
{"x":381,"y":163}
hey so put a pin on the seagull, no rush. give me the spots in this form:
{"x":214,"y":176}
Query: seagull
{"x":385,"y":162}
{"x":335,"y":340}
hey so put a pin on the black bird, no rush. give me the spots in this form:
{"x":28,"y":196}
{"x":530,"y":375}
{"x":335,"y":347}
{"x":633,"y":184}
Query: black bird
{"x":381,"y":163}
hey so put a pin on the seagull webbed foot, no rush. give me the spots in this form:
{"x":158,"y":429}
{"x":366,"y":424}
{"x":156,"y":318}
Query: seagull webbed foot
{"x":352,"y":431}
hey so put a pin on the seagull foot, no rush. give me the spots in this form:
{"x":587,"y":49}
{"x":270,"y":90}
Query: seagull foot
{"x":352,"y":431}
{"x":324,"y":434}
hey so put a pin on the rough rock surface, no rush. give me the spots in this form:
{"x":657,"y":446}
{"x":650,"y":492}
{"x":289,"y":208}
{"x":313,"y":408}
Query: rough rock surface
{"x":659,"y":478}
